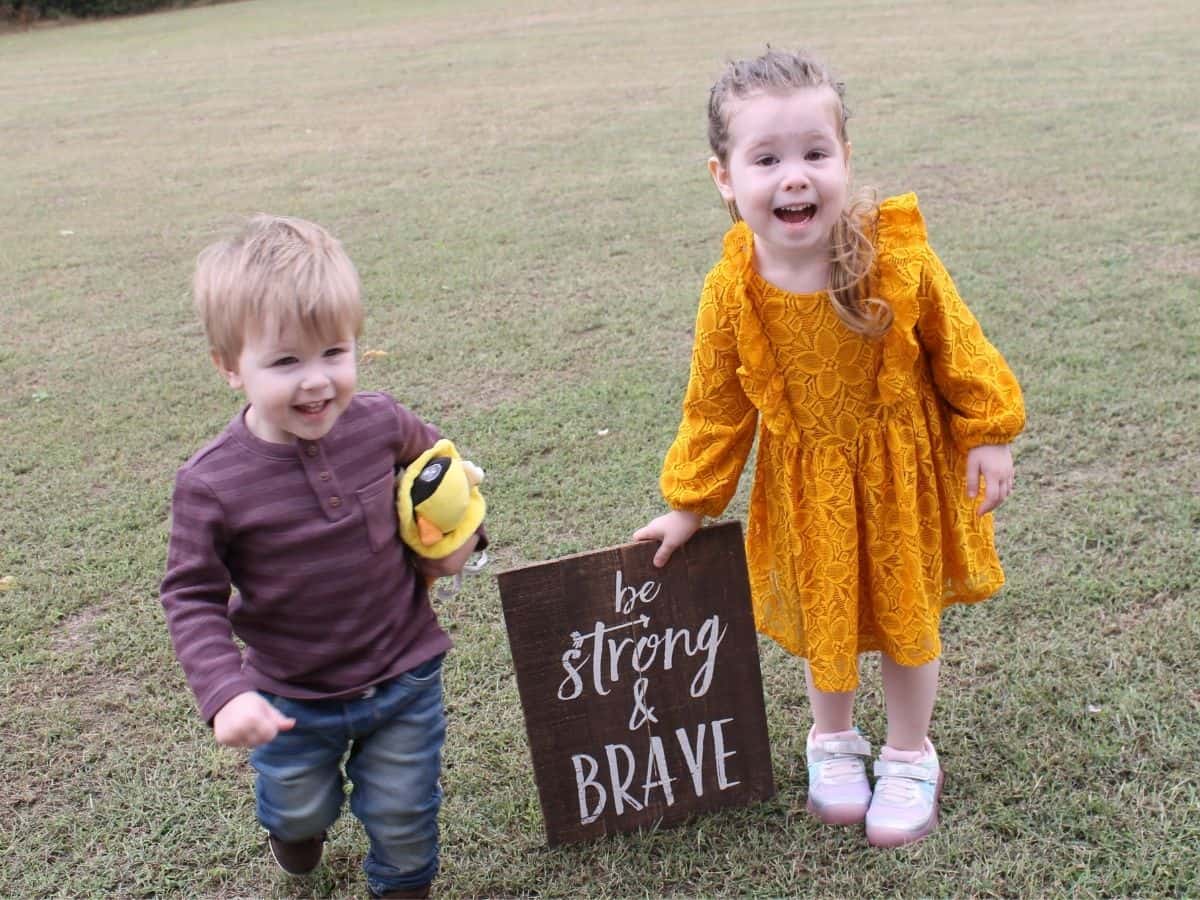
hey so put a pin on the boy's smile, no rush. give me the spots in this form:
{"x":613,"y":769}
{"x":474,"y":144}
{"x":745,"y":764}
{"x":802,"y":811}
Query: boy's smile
{"x":297,"y":384}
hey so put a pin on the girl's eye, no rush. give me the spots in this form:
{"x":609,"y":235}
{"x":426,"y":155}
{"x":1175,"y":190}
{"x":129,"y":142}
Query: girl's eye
{"x":767,"y":160}
{"x":335,"y":351}
{"x":814,"y":155}
{"x":284,"y":361}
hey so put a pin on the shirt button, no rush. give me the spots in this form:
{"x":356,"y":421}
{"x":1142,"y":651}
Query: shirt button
{"x":311,"y":449}
{"x":324,"y":476}
{"x":335,"y":502}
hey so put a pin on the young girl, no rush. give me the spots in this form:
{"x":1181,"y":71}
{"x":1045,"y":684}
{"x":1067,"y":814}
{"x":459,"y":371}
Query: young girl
{"x":883,"y":416}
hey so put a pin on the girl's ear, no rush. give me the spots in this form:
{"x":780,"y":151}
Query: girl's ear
{"x":231,"y":376}
{"x":720,"y":177}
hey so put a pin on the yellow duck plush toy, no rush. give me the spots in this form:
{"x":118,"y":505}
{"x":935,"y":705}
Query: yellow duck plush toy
{"x":438,"y":502}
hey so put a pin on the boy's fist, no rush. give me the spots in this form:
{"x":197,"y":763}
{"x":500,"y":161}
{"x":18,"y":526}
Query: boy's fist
{"x":248,"y":720}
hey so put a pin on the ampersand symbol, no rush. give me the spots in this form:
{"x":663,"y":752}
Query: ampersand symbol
{"x":641,"y":712}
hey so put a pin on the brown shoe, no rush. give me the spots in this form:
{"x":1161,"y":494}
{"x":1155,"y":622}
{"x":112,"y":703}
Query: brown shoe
{"x":297,"y":857}
{"x":419,"y":892}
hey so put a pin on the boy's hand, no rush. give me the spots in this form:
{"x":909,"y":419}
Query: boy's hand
{"x":447,"y":565}
{"x":673,"y":529}
{"x":994,"y":462}
{"x":248,"y":720}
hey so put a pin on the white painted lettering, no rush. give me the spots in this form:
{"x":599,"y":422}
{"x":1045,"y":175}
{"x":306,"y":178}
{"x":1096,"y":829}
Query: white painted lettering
{"x":718,"y":733}
{"x":694,"y":756}
{"x":641,"y":712}
{"x":576,"y":683}
{"x":620,"y":781}
{"x":615,"y":649}
{"x":626,"y":596}
{"x":656,"y":762}
{"x":595,"y":790}
{"x":646,"y":642}
{"x":582,"y":783}
{"x":707,"y":640}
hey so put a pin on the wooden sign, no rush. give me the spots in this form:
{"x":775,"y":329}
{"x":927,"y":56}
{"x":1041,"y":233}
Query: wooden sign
{"x":641,"y":686}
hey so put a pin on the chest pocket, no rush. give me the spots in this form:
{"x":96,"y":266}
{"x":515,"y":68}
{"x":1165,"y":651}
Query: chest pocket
{"x":378,"y":502}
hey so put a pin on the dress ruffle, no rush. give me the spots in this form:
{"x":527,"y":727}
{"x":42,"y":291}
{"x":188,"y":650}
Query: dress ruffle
{"x":759,"y":372}
{"x":897,"y":277}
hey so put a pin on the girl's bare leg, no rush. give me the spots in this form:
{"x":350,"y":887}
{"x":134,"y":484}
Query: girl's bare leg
{"x":909,"y":693}
{"x":832,"y":712}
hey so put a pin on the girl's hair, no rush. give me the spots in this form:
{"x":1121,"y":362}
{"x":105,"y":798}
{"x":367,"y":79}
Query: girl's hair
{"x":852,"y":247}
{"x":276,"y":271}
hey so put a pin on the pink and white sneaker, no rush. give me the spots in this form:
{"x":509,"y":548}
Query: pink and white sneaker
{"x":908,"y":785}
{"x":838,"y":792}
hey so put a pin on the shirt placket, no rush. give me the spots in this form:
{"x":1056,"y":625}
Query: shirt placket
{"x":324,"y":481}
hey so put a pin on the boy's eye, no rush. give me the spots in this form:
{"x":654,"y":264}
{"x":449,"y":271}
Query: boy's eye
{"x":814,"y":155}
{"x":766,"y":160}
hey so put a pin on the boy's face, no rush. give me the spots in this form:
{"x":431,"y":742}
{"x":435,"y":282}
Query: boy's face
{"x":297,"y":384}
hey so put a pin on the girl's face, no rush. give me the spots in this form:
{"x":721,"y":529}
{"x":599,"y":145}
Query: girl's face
{"x":788,"y":172}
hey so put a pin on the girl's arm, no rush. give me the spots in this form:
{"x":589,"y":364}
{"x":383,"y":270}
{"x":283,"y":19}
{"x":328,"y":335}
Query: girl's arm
{"x":986,"y":406}
{"x":703,"y":465}
{"x":987,"y":410}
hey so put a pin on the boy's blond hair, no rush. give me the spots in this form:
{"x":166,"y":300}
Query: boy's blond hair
{"x":275,"y":272}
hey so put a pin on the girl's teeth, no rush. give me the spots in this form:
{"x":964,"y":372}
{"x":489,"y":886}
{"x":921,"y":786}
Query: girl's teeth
{"x":801,"y":212}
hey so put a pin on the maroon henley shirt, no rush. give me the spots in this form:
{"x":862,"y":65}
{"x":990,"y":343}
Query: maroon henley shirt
{"x":326,"y":601}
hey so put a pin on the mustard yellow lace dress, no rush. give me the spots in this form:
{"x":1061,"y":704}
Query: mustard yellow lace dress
{"x":860,"y":529}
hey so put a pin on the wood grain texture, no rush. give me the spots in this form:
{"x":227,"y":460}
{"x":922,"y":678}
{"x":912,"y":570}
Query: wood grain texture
{"x":640,"y":686}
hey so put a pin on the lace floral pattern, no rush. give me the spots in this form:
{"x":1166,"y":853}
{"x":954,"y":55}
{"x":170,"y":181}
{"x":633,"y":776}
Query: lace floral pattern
{"x":860,"y":529}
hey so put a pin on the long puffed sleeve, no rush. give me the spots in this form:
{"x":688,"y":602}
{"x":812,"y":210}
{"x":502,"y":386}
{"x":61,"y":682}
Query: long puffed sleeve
{"x":972,"y":377}
{"x":705,"y":461}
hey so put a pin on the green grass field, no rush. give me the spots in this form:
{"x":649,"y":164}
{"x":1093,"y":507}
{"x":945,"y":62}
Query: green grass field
{"x":523,"y":188}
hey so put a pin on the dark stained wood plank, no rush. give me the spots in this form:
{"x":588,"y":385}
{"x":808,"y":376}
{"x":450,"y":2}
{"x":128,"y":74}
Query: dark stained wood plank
{"x":641,"y":687}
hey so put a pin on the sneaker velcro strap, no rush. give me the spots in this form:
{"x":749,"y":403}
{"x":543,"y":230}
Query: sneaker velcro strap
{"x":886,"y":767}
{"x":850,"y":746}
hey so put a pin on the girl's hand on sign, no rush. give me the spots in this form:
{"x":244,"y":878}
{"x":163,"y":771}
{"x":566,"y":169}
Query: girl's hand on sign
{"x":673,"y":529}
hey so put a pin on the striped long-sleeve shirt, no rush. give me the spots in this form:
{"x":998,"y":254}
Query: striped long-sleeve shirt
{"x":293,"y":548}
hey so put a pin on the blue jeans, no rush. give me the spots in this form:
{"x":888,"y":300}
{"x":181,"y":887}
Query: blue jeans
{"x":394,"y":734}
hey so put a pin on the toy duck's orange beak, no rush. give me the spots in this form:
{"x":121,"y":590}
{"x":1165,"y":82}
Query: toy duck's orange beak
{"x":430,"y":533}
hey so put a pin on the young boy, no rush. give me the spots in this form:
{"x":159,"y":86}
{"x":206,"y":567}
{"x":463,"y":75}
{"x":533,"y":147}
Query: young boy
{"x":293,"y":505}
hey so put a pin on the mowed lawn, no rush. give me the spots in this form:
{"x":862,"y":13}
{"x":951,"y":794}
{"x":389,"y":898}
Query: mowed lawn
{"x":522,"y":185}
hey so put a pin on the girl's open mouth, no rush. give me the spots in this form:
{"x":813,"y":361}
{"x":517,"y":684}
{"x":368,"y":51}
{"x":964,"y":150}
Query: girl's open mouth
{"x":797,"y":214}
{"x":312,"y":409}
